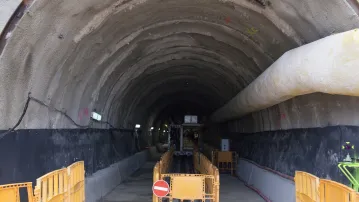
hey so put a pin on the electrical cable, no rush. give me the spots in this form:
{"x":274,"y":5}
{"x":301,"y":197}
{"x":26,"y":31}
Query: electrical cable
{"x":59,"y":111}
{"x":30,"y":98}
{"x":19,"y":121}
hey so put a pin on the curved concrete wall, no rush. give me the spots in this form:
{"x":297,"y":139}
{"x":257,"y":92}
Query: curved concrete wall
{"x":122,"y":57}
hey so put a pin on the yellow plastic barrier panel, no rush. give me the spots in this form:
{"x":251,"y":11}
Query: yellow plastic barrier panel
{"x":203,"y":186}
{"x":156,"y":177}
{"x":76,"y":185}
{"x":52,"y":187}
{"x":190,"y":187}
{"x":306,"y":187}
{"x":331,"y":191}
{"x":225,"y":160}
{"x":63,"y":185}
{"x":204,"y":167}
{"x":10,"y":192}
{"x":166,"y":161}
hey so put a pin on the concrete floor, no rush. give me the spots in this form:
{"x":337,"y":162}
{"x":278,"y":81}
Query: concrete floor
{"x":138,"y":188}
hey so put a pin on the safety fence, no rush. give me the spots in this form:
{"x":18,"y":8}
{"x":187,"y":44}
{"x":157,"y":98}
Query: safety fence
{"x":11,"y":192}
{"x":63,"y":185}
{"x":310,"y":188}
{"x":203,"y":186}
{"x":226,"y":161}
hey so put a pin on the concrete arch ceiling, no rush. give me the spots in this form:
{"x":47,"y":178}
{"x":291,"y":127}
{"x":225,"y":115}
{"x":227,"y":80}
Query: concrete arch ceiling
{"x":122,"y":57}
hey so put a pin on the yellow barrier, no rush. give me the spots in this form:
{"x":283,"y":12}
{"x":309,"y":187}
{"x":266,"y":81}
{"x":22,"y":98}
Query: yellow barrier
{"x":63,"y":185}
{"x":306,"y":187}
{"x":203,"y":186}
{"x":156,"y":177}
{"x":190,"y":187}
{"x":10,"y":192}
{"x":205,"y":167}
{"x":331,"y":191}
{"x":310,"y":188}
{"x":76,"y":173}
{"x":225,"y":160}
{"x":166,"y":161}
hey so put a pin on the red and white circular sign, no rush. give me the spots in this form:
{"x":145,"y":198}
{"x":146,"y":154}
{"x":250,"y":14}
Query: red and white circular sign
{"x":160,"y":188}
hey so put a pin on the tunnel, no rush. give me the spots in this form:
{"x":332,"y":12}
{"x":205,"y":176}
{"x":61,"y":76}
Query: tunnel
{"x":279,"y":78}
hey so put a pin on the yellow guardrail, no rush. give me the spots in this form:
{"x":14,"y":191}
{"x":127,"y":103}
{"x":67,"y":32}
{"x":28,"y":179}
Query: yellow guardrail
{"x":52,"y":187}
{"x":166,"y":161}
{"x":156,"y":177}
{"x":202,"y":186}
{"x":63,"y":185}
{"x":306,"y":187}
{"x":225,"y":160}
{"x":204,"y":166}
{"x":76,"y":184}
{"x":331,"y":191}
{"x":11,"y":192}
{"x":310,"y":188}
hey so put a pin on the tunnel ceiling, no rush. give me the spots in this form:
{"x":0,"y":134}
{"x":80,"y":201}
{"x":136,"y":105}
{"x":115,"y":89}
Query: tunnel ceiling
{"x":132,"y":59}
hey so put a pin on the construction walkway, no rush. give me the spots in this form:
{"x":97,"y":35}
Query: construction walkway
{"x":138,"y":188}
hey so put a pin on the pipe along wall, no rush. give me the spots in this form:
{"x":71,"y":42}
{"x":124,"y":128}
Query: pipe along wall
{"x":329,"y":65}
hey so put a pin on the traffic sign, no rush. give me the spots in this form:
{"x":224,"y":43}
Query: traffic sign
{"x":160,"y":188}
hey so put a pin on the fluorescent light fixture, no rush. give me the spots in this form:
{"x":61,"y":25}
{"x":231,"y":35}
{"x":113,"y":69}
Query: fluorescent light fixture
{"x":96,"y":116}
{"x":151,"y":128}
{"x":164,"y":131}
{"x":138,"y":126}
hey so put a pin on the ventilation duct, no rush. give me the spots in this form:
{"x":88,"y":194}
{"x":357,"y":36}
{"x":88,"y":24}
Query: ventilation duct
{"x":329,"y":65}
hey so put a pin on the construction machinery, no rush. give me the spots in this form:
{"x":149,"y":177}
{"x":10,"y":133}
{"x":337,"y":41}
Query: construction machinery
{"x":185,"y":137}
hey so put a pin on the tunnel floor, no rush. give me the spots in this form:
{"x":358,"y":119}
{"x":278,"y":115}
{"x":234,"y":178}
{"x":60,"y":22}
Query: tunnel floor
{"x":138,"y":188}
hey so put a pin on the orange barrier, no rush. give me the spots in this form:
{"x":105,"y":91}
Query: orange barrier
{"x":225,"y":160}
{"x":11,"y":192}
{"x":331,"y":191}
{"x":306,"y":187}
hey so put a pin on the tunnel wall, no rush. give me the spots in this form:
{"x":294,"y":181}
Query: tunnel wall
{"x":28,"y":154}
{"x":313,"y":150}
{"x":307,"y":111}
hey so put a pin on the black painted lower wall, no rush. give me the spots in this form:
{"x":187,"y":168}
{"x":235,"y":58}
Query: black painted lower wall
{"x":314,"y":150}
{"x":26,"y":155}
